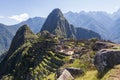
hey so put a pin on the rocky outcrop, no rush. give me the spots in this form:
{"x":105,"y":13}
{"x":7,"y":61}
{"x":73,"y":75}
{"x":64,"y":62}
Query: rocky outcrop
{"x":106,"y":59}
{"x":68,"y":73}
{"x":75,"y":72}
{"x":101,"y":45}
{"x":65,"y":75}
{"x":46,"y":34}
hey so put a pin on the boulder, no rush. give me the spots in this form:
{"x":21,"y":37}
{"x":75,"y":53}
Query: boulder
{"x":75,"y":72}
{"x":68,"y":73}
{"x":106,"y":59}
{"x":65,"y":75}
{"x":71,"y":60}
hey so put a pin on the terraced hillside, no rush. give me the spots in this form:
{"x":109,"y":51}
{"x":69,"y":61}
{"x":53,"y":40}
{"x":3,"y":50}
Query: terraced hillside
{"x":33,"y":60}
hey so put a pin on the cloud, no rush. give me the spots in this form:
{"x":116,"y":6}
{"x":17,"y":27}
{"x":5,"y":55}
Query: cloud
{"x":20,"y":17}
{"x":116,"y":8}
{"x":2,"y":17}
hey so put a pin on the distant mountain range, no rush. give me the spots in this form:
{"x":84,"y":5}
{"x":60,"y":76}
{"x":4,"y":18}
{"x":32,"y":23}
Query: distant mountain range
{"x":107,"y":25}
{"x":34,"y":23}
{"x":100,"y":22}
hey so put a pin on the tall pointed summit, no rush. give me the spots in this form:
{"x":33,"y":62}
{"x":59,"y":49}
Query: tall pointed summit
{"x":58,"y":25}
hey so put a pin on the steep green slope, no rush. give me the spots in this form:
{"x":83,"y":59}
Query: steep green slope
{"x":32,"y":60}
{"x":23,"y":35}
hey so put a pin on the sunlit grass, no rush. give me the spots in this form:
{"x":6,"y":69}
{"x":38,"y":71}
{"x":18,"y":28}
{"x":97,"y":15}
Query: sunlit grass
{"x":89,"y":75}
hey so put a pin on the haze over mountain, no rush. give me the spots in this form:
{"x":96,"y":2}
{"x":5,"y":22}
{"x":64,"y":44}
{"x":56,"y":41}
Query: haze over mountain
{"x":34,"y":23}
{"x":101,"y":22}
{"x":92,"y":21}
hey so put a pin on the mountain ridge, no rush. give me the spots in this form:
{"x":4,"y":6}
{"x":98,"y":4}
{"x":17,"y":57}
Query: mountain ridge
{"x":57,"y":24}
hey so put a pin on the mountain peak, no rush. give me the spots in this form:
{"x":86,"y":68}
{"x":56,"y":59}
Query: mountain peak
{"x":56,"y":14}
{"x":57,"y":11}
{"x":57,"y":24}
{"x":24,"y":28}
{"x":24,"y":34}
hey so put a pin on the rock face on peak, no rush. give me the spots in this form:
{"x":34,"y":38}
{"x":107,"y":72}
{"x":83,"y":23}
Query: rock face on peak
{"x":23,"y":35}
{"x":58,"y":25}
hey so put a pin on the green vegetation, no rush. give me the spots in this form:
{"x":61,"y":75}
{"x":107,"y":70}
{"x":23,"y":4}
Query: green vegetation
{"x":85,"y":62}
{"x":89,"y":75}
{"x":50,"y":77}
{"x":113,"y":73}
{"x":92,"y":75}
{"x":36,"y":60}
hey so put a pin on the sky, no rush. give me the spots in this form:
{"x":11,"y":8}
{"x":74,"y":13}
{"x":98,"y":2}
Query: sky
{"x":15,"y":11}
